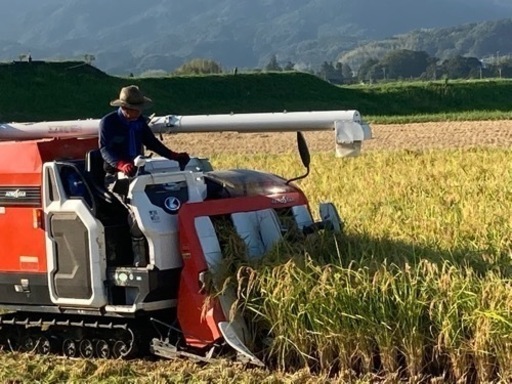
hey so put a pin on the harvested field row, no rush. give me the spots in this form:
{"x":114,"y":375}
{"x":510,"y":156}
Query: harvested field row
{"x":470,"y":134}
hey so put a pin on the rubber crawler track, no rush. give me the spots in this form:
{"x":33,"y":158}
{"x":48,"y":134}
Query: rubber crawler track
{"x":67,"y":337}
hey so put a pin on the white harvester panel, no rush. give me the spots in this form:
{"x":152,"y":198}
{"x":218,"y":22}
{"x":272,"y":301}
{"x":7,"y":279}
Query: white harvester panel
{"x":302,"y":216}
{"x":76,"y":277}
{"x":158,"y":225}
{"x":235,"y":329}
{"x":260,"y":230}
{"x":209,"y":241}
{"x":160,"y":165}
{"x":329,"y":214}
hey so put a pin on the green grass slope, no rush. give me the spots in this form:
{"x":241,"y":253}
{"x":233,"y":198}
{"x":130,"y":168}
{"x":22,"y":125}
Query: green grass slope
{"x":72,"y":90}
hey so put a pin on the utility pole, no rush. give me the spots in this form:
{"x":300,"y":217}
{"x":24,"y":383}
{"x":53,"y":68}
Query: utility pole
{"x":498,"y":64}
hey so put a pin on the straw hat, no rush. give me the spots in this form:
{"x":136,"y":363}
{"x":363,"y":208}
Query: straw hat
{"x":132,"y":97}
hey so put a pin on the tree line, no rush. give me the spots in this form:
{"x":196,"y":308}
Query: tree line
{"x":400,"y":64}
{"x":407,"y":64}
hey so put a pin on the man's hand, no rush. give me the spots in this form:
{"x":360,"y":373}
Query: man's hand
{"x":126,"y":167}
{"x":182,"y":158}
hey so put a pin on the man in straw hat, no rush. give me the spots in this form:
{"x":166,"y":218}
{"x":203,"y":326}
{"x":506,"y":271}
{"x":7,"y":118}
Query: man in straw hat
{"x":124,"y":132}
{"x":122,"y":135}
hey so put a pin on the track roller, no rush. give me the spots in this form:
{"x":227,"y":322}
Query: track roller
{"x":102,"y":349}
{"x":69,"y":348}
{"x":86,"y":348}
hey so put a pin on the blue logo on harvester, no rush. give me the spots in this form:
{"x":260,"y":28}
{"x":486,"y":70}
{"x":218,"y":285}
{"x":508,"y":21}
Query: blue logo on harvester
{"x":172,"y":204}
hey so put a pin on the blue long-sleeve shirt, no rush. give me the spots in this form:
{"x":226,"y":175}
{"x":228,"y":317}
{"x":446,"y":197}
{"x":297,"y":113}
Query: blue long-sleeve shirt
{"x":120,"y":139}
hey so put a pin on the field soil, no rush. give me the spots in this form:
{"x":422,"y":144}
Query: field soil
{"x":419,"y":136}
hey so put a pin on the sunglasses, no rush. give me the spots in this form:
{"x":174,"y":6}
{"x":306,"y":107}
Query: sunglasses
{"x":131,"y":111}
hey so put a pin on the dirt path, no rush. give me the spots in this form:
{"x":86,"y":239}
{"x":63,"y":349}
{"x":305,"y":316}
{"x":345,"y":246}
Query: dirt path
{"x":394,"y":137}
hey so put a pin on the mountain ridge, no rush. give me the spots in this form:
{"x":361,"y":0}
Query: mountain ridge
{"x":135,"y":37}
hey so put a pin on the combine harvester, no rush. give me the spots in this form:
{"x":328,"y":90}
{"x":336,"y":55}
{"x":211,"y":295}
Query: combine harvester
{"x":67,"y":280}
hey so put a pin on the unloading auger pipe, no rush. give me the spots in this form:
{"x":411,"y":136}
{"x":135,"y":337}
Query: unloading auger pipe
{"x":350,"y":130}
{"x":255,"y":122}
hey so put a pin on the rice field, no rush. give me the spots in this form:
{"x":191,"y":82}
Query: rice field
{"x":419,"y":285}
{"x":416,"y":289}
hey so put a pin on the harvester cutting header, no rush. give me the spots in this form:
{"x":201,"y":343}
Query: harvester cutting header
{"x":67,"y":273}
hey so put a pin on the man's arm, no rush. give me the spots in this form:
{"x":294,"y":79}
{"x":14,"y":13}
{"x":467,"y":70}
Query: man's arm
{"x":105,"y":144}
{"x":155,"y":145}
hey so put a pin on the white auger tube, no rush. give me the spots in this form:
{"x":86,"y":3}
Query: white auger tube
{"x":349,"y":128}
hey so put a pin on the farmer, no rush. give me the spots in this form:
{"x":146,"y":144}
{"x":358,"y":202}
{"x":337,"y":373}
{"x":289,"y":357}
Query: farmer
{"x":122,"y":135}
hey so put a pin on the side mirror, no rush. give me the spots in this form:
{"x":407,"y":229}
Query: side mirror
{"x":304,"y":156}
{"x":303,"y":149}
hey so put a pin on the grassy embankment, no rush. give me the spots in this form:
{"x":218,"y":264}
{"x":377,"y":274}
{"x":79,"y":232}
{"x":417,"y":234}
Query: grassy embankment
{"x":69,"y":90}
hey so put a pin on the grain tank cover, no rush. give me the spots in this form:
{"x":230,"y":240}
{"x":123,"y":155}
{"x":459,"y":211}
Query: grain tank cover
{"x":21,"y":162}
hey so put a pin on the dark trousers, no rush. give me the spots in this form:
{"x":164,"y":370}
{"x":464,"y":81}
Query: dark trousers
{"x":119,"y":188}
